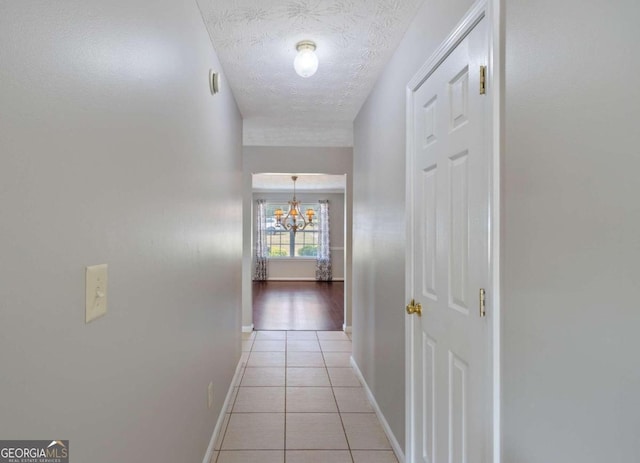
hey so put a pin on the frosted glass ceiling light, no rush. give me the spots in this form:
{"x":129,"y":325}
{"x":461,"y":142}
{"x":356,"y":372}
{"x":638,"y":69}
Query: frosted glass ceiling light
{"x":306,"y":62}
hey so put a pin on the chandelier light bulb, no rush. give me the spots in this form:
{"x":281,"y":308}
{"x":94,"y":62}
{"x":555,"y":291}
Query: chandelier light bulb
{"x":306,"y":62}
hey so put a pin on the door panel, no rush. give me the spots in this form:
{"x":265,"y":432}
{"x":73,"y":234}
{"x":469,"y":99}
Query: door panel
{"x":459,"y":99}
{"x":429,"y":232}
{"x":428,"y":397}
{"x":459,"y":232}
{"x":457,"y":409}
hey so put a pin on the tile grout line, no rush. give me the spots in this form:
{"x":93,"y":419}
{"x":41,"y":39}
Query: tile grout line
{"x":344,"y":430}
{"x":286,"y":354}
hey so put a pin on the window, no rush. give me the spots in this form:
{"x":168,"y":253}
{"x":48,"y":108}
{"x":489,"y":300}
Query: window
{"x":283,"y":243}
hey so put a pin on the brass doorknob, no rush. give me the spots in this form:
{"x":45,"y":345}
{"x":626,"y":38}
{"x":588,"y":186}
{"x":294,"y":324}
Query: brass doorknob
{"x":414,"y":307}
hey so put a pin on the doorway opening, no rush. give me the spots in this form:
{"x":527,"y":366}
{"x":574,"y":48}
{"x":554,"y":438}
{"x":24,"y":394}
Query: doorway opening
{"x":290,"y":294}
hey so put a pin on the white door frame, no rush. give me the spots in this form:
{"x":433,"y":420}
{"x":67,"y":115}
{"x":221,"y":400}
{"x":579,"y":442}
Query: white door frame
{"x":492,"y":12}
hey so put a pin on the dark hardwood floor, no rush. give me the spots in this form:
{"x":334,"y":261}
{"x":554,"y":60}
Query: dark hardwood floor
{"x":298,"y":305}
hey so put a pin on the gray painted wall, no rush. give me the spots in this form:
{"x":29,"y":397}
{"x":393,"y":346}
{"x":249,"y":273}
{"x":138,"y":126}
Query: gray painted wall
{"x":301,"y":160}
{"x":378,"y":212}
{"x":571,"y":232}
{"x":112,"y":150}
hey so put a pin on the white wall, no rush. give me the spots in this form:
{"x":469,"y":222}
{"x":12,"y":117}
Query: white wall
{"x":378,"y":211}
{"x":113,"y":151}
{"x":301,"y":268}
{"x":301,"y":160}
{"x":571,"y":232}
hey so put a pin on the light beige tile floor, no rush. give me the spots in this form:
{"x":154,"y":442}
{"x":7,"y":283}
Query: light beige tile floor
{"x":299,"y":401}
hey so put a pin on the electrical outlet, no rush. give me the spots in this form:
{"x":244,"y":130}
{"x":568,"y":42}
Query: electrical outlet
{"x":210,"y":394}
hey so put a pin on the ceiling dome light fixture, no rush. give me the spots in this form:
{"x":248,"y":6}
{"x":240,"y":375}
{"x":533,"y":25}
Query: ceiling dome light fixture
{"x":306,"y":62}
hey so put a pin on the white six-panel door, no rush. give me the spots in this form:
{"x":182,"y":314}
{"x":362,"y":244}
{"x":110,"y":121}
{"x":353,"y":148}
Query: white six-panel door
{"x":448,"y":353}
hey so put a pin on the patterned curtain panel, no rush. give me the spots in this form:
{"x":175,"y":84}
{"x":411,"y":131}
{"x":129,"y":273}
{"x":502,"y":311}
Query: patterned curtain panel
{"x":323,"y":264}
{"x":261,"y":251}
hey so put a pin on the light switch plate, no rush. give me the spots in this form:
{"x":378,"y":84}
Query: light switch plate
{"x":96,"y":297}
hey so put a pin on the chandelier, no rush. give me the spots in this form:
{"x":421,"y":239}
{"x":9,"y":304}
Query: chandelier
{"x":294,"y":220}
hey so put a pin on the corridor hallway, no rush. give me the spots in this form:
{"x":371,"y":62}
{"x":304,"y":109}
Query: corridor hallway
{"x":299,"y":401}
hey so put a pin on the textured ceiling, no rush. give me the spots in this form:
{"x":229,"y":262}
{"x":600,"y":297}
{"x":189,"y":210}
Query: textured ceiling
{"x":255,"y":41}
{"x":305,"y":182}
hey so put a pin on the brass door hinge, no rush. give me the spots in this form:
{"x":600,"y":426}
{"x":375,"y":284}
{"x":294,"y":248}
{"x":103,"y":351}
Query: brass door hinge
{"x":483,"y":303}
{"x":483,"y":80}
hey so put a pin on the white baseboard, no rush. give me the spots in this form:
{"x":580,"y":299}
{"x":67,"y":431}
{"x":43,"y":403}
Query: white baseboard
{"x":346,"y":329}
{"x":247,"y":328}
{"x":397,"y":449}
{"x":223,"y":411}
